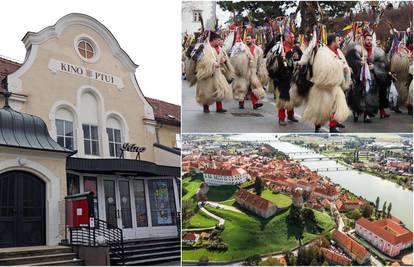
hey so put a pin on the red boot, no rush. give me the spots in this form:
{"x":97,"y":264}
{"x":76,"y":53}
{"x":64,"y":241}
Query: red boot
{"x":291,"y":115}
{"x":254,"y":101}
{"x":282,"y":116}
{"x":383,"y":115}
{"x":333,"y":126}
{"x":219,"y":107}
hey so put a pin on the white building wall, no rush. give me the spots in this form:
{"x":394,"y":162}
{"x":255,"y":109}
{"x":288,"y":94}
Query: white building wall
{"x":212,"y":179}
{"x":208,"y":12}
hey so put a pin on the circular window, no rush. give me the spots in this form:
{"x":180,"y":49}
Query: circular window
{"x":86,"y":48}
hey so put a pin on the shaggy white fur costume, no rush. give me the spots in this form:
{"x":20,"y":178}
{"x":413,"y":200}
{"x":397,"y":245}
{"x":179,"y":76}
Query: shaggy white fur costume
{"x":400,"y":62}
{"x":326,"y":97}
{"x":250,"y":71}
{"x":212,"y":85}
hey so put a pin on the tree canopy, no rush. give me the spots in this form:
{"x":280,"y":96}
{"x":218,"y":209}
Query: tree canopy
{"x":311,"y":12}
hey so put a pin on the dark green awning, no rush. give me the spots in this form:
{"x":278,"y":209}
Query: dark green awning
{"x":23,"y":130}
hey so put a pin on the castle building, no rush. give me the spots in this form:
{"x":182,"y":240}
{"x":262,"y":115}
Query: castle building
{"x":388,"y":235}
{"x":232,"y":176}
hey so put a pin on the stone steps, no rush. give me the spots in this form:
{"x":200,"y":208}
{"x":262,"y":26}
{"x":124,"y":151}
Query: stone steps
{"x":41,"y":255}
{"x":150,"y":252}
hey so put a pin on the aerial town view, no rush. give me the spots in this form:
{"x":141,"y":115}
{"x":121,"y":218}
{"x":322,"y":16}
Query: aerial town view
{"x":297,"y":199}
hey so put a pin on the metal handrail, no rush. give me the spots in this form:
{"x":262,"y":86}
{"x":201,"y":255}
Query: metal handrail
{"x":86,"y":235}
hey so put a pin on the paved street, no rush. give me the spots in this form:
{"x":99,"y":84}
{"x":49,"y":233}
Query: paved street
{"x":221,"y":220}
{"x":264,"y":120}
{"x":224,"y":207}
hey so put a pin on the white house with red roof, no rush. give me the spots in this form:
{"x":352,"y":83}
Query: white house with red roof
{"x":352,"y":248}
{"x":190,"y":238}
{"x":388,"y":235}
{"x":255,"y":203}
{"x":327,"y":191}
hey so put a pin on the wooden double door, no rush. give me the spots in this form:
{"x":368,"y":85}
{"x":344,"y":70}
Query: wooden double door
{"x":22,"y":210}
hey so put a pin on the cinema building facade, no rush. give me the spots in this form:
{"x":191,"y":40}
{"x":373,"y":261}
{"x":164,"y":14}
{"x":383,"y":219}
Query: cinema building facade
{"x":76,"y":121}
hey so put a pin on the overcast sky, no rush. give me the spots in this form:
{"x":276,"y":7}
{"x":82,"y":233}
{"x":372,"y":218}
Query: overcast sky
{"x":149,"y":31}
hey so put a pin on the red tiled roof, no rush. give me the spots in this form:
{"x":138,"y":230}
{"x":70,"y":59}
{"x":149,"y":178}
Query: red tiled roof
{"x":327,"y":190}
{"x":350,"y":244}
{"x":225,"y":172}
{"x":189,"y":236}
{"x":394,"y":263}
{"x":339,"y":205}
{"x":388,"y":229}
{"x":6,"y":67}
{"x":335,"y":257}
{"x":255,"y":200}
{"x":165,"y":112}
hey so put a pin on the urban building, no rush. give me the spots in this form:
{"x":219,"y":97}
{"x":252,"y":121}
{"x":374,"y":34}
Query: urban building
{"x":335,"y":258}
{"x":232,"y":176}
{"x":193,"y":11}
{"x":256,"y":204}
{"x":388,"y":235}
{"x":327,"y":191}
{"x":351,"y":247}
{"x":74,"y":120}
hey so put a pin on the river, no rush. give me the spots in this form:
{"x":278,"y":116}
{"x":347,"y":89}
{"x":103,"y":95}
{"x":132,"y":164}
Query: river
{"x":361,"y":184}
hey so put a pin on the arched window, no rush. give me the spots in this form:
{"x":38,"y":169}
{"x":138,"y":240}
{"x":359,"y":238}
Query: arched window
{"x":114,"y":131}
{"x":90,"y":122}
{"x":64,"y":122}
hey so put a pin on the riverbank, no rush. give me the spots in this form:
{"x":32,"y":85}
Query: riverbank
{"x":385,"y":176}
{"x":362,"y":184}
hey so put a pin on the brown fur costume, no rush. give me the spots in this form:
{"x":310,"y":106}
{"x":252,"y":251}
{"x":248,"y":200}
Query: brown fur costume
{"x":410,"y":90}
{"x":212,"y":84}
{"x":190,"y":71}
{"x":260,"y":65}
{"x":400,"y":63}
{"x":326,"y":97}
{"x":249,"y":73}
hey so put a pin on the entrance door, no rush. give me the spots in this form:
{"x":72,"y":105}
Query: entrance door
{"x":118,"y":205}
{"x":22,"y":210}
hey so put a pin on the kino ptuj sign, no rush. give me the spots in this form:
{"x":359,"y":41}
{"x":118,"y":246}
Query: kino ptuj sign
{"x":132,"y":148}
{"x":60,"y":66}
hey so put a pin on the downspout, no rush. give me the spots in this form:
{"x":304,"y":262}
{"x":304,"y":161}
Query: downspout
{"x":157,"y":127}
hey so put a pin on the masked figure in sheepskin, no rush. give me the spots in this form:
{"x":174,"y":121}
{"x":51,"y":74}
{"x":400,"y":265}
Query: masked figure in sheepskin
{"x":250,"y":72}
{"x":326,"y":100}
{"x":370,"y":69}
{"x":400,"y":64}
{"x":209,"y":67}
{"x":280,"y":61}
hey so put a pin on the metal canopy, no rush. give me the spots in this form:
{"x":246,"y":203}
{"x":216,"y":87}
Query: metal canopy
{"x":23,"y":130}
{"x":124,"y":166}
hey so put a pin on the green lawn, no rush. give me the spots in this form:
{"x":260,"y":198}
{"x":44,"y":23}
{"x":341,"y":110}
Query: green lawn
{"x":229,"y":202}
{"x":280,"y":200}
{"x":191,"y":184}
{"x":202,"y":220}
{"x":247,"y":235}
{"x":221,"y":193}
